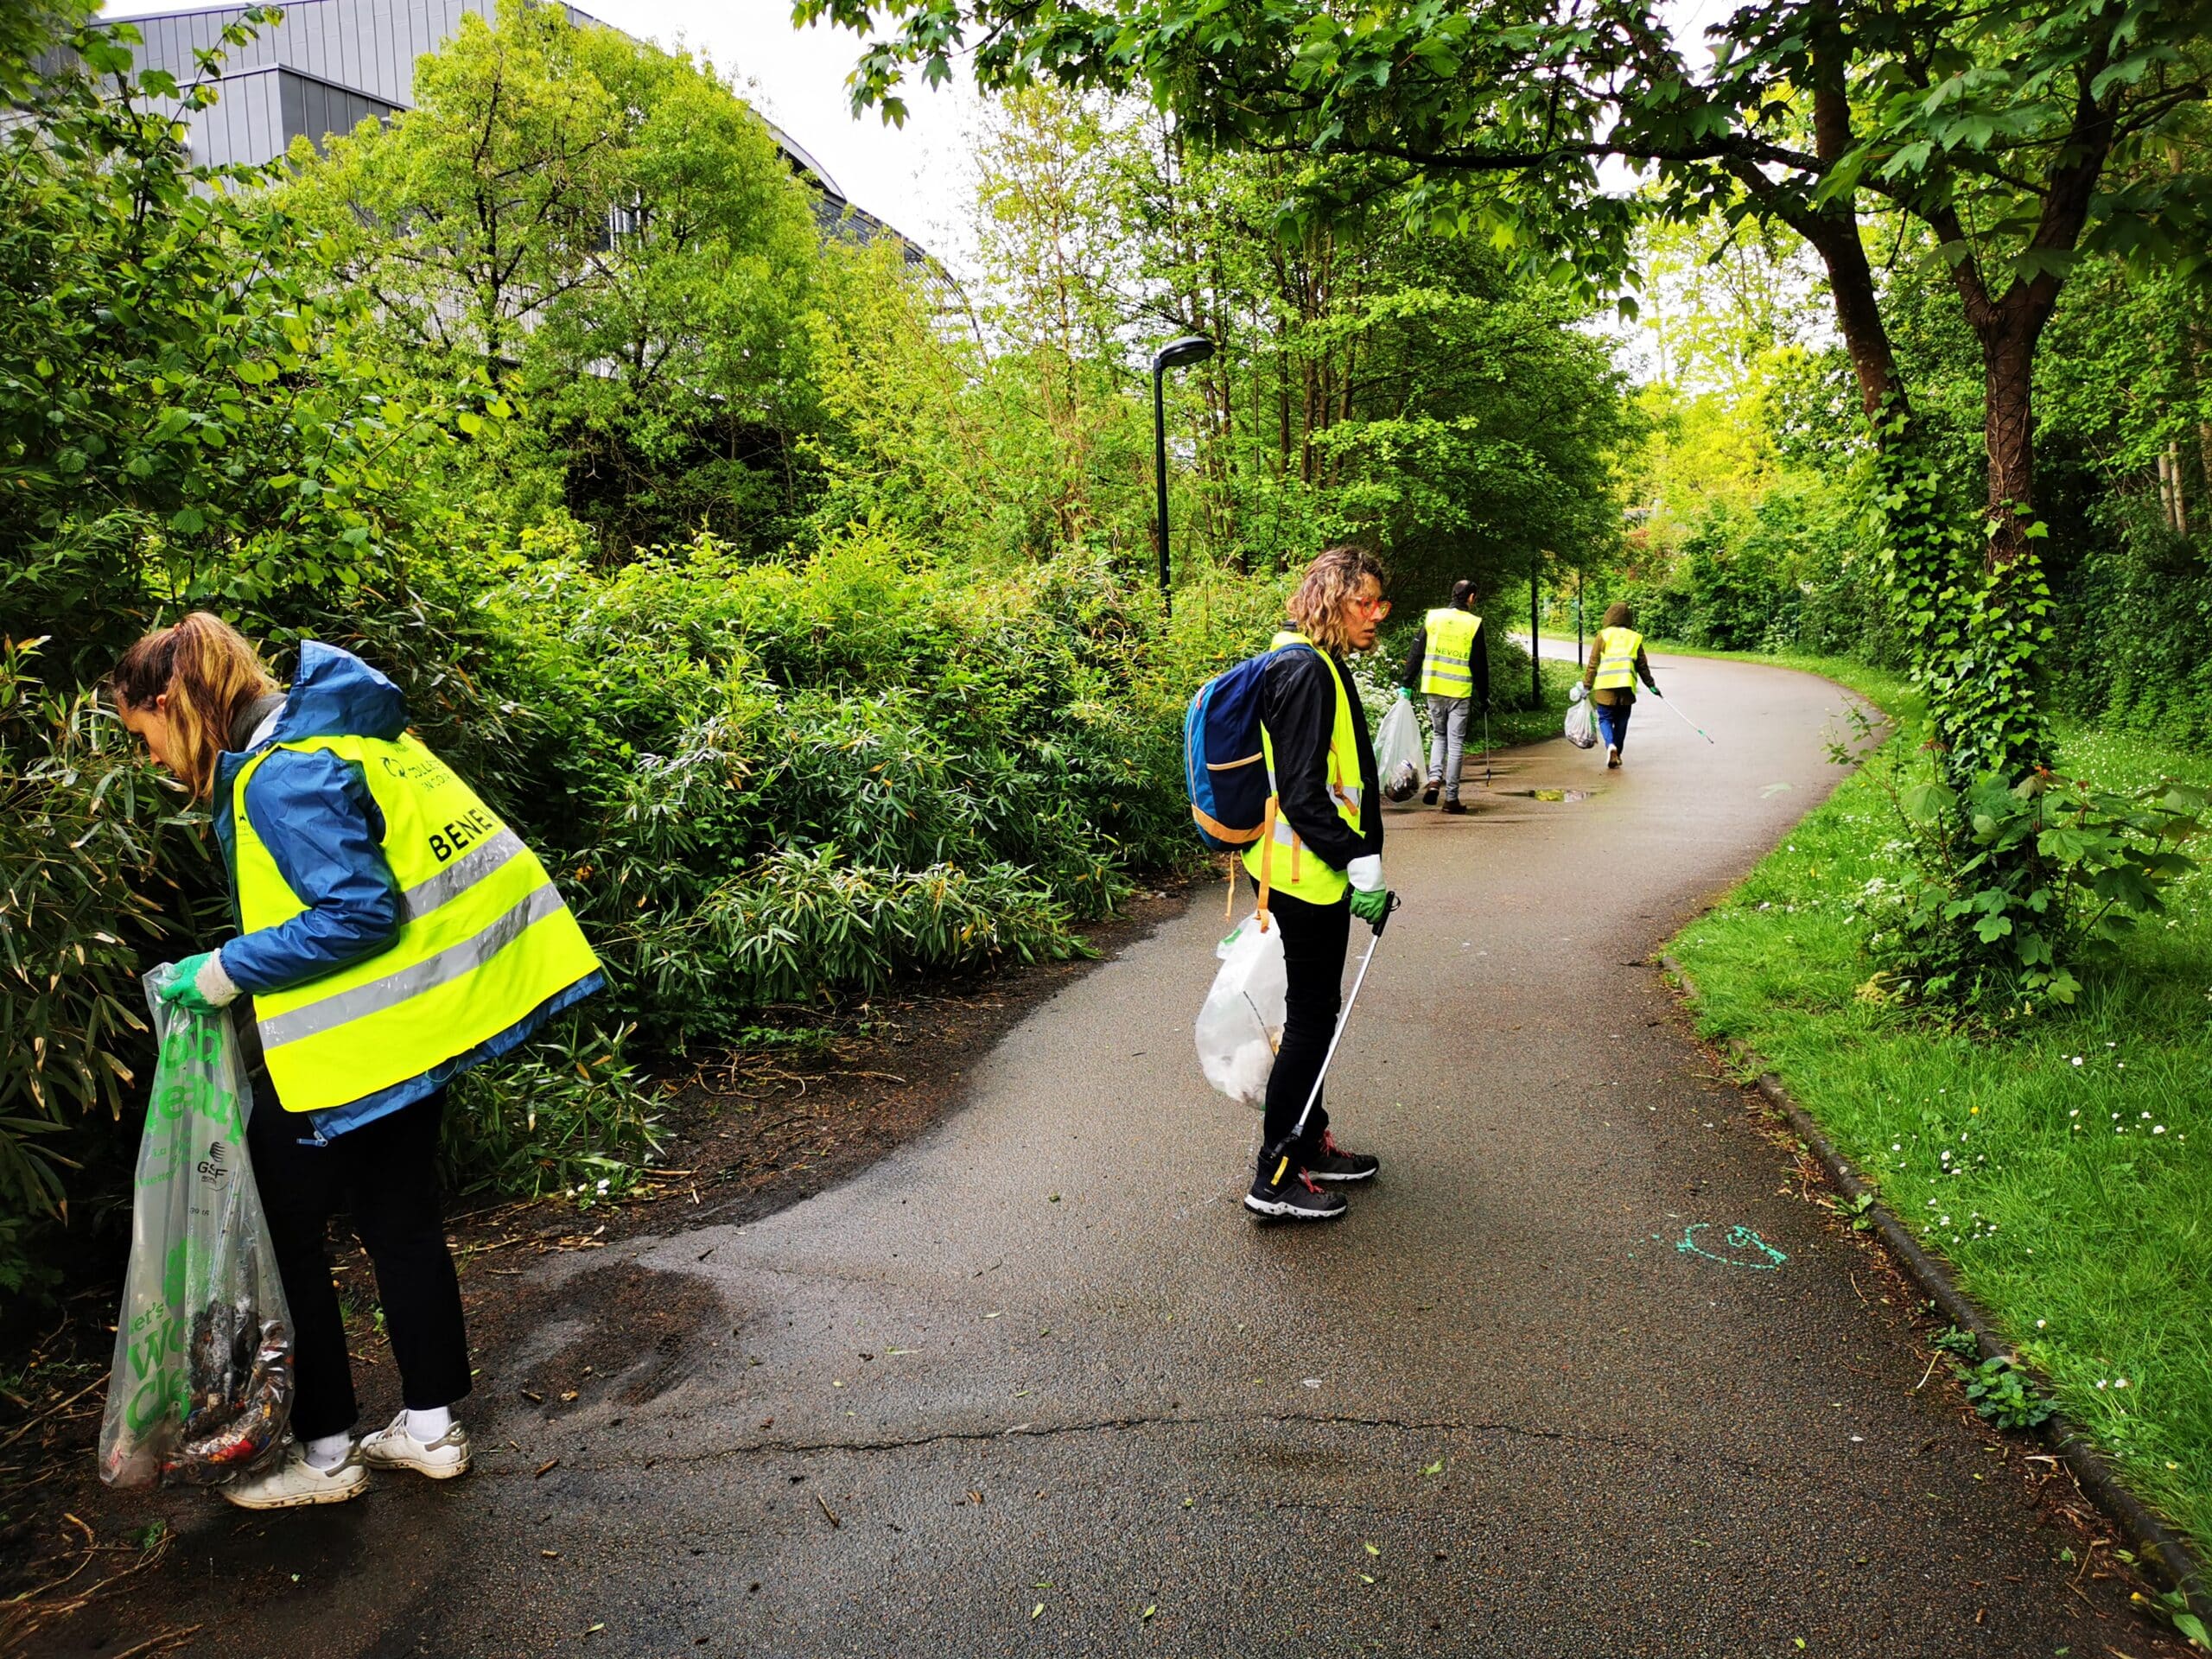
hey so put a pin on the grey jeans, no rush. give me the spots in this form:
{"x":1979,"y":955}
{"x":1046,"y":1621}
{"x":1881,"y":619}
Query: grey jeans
{"x":1447,"y":741}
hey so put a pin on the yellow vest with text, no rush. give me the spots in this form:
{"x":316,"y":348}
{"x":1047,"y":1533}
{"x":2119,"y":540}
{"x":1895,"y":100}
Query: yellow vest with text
{"x":1617,"y":649}
{"x":1444,"y":670}
{"x":1279,"y":861}
{"x":484,"y":938}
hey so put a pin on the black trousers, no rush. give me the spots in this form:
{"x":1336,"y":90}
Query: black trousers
{"x":1313,"y":941}
{"x":384,"y":1174}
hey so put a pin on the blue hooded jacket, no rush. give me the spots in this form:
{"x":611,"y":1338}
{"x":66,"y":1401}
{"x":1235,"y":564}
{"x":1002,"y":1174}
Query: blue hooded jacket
{"x":320,"y":825}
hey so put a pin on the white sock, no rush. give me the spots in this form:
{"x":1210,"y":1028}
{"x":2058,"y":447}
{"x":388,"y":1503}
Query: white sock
{"x":427,"y":1425}
{"x":327,"y":1453}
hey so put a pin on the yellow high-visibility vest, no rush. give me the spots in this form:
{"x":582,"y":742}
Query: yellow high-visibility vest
{"x":1278,"y":860}
{"x":1443,"y":671}
{"x":1617,"y":649}
{"x":485,"y":937}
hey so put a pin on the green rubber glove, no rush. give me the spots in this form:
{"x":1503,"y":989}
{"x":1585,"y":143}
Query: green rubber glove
{"x":197,"y":984}
{"x":1406,"y":692}
{"x":1370,"y":907}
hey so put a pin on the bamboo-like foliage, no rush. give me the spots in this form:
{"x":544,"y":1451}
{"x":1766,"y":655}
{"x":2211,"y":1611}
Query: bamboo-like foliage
{"x":80,"y":857}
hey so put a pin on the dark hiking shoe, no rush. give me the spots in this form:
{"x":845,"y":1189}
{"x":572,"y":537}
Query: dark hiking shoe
{"x":1455,"y":808}
{"x":1330,"y":1162}
{"x":1296,"y":1199}
{"x":1429,"y":796}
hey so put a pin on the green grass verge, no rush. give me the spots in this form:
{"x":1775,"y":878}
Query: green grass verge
{"x":2062,"y":1163}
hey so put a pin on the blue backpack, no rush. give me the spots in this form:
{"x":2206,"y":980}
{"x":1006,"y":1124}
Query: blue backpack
{"x":1224,"y":768}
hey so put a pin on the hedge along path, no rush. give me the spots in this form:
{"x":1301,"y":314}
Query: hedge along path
{"x":1048,"y":1375}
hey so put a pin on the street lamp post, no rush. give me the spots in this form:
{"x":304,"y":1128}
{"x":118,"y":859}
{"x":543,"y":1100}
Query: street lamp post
{"x":1536,"y":623}
{"x":1176,"y":354}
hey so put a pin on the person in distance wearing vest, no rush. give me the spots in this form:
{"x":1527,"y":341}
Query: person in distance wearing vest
{"x":1318,"y":865}
{"x":393,"y":933}
{"x":1450,"y":665}
{"x":1617,"y":662}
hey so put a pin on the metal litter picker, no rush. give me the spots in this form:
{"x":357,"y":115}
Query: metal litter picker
{"x":1684,"y":718}
{"x":1279,"y":1154}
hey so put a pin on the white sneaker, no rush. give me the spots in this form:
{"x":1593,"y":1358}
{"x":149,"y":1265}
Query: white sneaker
{"x":395,"y":1448}
{"x":295,"y":1482}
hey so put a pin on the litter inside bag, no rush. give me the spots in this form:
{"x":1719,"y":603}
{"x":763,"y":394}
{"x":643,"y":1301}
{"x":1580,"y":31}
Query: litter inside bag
{"x":1582,"y":723}
{"x":1240,"y":1026}
{"x":202,"y":1386}
{"x":1397,"y":751}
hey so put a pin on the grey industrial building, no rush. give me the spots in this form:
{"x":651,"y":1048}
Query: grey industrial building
{"x":331,"y":63}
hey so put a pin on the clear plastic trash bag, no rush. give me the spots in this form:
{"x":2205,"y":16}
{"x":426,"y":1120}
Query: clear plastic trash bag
{"x":1582,"y":722}
{"x":1397,"y":751}
{"x":1240,"y":1026}
{"x":201,"y":1387}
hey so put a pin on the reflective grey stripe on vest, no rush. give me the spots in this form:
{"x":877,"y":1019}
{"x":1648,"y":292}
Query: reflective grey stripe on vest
{"x":1436,"y":671}
{"x":342,"y":1007}
{"x":457,"y":878}
{"x":1350,"y":794}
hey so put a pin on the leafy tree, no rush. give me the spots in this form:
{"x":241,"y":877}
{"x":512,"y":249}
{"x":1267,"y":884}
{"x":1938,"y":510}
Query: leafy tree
{"x":1367,"y":382}
{"x":185,"y":411}
{"x":611,"y":230}
{"x":2018,"y":137}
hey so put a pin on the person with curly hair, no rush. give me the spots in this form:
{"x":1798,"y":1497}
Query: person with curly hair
{"x":1317,"y":865}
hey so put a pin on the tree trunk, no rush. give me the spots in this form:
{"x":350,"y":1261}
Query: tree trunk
{"x":2009,"y":435}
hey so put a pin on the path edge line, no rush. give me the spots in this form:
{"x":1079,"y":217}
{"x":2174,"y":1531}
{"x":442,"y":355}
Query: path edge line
{"x":2176,"y":1558}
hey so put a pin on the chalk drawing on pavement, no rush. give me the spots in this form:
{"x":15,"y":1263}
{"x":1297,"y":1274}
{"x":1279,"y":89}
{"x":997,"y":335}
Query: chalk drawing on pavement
{"x":1747,"y":1248}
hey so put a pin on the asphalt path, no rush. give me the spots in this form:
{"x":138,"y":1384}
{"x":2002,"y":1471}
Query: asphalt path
{"x":1038,"y":1383}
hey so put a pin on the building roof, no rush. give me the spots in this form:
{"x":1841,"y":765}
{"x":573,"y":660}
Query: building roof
{"x":349,"y":59}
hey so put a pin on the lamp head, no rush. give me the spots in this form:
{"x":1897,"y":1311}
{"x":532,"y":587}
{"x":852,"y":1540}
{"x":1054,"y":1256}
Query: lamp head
{"x":1179,"y":353}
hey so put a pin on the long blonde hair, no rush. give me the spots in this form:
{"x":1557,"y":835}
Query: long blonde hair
{"x":209,"y":671}
{"x":1317,"y":607}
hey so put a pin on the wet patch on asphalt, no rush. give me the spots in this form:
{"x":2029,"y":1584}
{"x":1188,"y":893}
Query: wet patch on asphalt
{"x":618,"y":1332}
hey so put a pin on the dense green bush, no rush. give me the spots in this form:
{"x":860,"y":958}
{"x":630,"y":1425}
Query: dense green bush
{"x":763,"y":782}
{"x":82,"y":869}
{"x":567,"y":1114}
{"x":2008,"y":890}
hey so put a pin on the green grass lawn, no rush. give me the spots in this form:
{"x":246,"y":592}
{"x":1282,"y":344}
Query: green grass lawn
{"x":2061,"y":1162}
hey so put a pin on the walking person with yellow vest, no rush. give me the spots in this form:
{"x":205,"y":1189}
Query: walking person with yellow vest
{"x":393,"y":931}
{"x":1617,"y":662}
{"x":1318,"y":865}
{"x":1449,"y":665}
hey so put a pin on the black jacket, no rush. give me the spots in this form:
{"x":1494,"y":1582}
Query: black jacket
{"x":1478,"y":664}
{"x":1298,"y":705}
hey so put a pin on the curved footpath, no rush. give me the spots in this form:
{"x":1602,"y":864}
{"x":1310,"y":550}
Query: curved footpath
{"x":1036,"y":1383}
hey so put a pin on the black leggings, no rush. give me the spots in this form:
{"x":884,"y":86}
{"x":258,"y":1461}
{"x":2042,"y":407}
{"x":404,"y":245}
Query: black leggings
{"x":1313,"y":941}
{"x":386,"y":1174}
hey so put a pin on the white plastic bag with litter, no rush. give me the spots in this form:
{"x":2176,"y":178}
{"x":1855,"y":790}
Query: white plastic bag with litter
{"x":1240,"y":1024}
{"x":1397,"y":751}
{"x":1581,"y":721}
